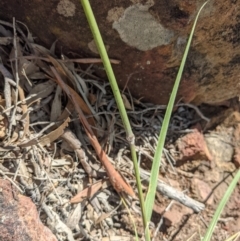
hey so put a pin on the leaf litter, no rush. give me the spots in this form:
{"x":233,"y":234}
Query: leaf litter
{"x":63,"y":143}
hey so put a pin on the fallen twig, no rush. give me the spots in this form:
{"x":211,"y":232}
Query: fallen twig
{"x":174,"y":194}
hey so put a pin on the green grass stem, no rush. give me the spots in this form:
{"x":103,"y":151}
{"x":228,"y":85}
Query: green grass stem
{"x":117,"y":95}
{"x":208,"y":235}
{"x":149,"y":202}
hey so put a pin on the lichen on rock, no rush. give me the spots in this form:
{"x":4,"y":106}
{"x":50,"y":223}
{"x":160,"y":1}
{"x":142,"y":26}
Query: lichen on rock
{"x":139,"y":29}
{"x":66,"y":8}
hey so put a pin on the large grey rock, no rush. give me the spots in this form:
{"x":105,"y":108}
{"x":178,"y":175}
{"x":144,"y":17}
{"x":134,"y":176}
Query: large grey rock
{"x":149,"y":38}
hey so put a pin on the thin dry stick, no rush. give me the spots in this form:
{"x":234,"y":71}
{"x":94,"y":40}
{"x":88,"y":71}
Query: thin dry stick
{"x":16,"y":61}
{"x":174,"y":194}
{"x":76,"y":145}
{"x":19,"y":102}
{"x":196,"y":109}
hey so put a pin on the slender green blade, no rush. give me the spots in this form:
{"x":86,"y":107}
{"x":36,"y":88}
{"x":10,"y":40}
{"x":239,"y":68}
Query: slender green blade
{"x":131,"y":139}
{"x":106,"y":62}
{"x":149,"y":202}
{"x":221,"y":206}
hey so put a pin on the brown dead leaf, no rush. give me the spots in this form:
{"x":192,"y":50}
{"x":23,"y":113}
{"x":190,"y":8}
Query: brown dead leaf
{"x":28,"y":143}
{"x":40,"y":50}
{"x":77,"y":98}
{"x":69,"y":65}
{"x":54,"y":135}
{"x":65,"y":74}
{"x":66,"y":112}
{"x":37,"y":75}
{"x":56,"y":105}
{"x":80,"y":102}
{"x":126,"y":102}
{"x":88,"y":192}
{"x":41,"y":90}
{"x":28,"y":68}
{"x":47,"y":139}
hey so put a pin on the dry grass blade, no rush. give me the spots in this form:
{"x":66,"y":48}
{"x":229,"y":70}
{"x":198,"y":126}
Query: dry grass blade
{"x":90,"y":61}
{"x":80,"y":101}
{"x":75,"y":144}
{"x":81,"y":61}
{"x":115,"y":178}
